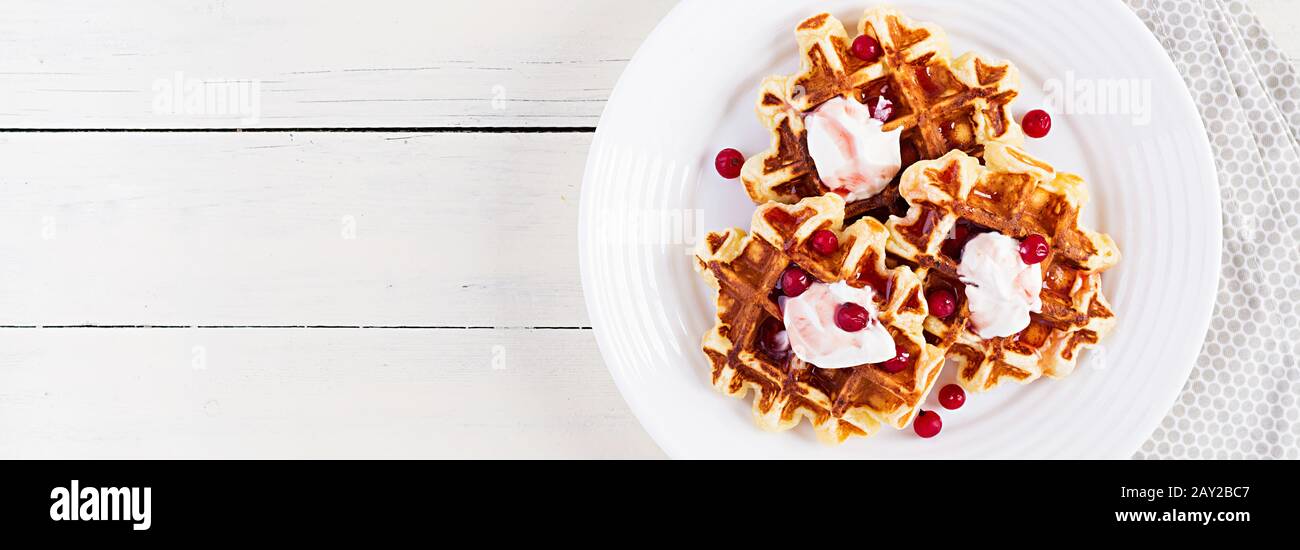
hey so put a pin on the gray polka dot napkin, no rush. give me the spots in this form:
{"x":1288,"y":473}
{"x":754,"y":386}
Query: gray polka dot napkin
{"x":1241,"y":399}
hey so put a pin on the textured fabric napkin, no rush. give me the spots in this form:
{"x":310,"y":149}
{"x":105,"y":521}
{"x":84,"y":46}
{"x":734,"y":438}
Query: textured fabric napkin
{"x":1241,"y":399}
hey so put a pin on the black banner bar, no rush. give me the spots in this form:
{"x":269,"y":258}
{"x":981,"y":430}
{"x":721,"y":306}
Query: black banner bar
{"x":139,"y":500}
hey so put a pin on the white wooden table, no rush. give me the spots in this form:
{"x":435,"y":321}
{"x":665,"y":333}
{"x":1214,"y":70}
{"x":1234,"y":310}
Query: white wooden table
{"x":173,"y":287}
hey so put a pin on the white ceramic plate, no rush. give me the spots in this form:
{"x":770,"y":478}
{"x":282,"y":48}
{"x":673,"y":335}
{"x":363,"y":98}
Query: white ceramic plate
{"x":650,"y":191}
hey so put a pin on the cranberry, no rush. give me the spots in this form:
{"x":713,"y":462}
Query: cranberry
{"x":825,"y":242}
{"x":851,"y":317}
{"x":1037,"y":123}
{"x":728,"y":163}
{"x":867,"y":48}
{"x":772,"y":338}
{"x":952,"y":397}
{"x":795,"y":281}
{"x":953,"y":245}
{"x":881,"y":109}
{"x":1034,"y":249}
{"x":898,"y":363}
{"x":927,"y":424}
{"x":942,"y":302}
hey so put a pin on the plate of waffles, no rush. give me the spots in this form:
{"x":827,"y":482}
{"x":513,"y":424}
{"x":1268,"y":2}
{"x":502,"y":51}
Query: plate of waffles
{"x":819,"y":232}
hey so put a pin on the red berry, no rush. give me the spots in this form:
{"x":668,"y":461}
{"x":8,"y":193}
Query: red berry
{"x":772,"y":338}
{"x":866,"y":48}
{"x":953,"y":245}
{"x":851,"y":317}
{"x":728,"y":163}
{"x":898,"y":363}
{"x":881,"y":109}
{"x":1034,"y":249}
{"x":942,"y":302}
{"x":795,"y":281}
{"x":927,"y":424}
{"x":952,"y":397}
{"x":1037,"y":123}
{"x":825,"y":242}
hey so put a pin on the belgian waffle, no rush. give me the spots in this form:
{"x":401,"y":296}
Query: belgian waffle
{"x":941,"y":105}
{"x":744,"y":269}
{"x":1016,"y":195}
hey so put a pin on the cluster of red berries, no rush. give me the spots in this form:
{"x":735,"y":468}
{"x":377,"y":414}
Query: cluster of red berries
{"x":927,"y":423}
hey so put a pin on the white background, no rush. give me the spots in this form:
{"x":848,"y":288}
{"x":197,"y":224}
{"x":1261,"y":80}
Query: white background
{"x":402,"y":293}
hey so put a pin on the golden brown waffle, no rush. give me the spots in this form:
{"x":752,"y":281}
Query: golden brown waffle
{"x":745,"y":270}
{"x":940,"y":104}
{"x":1016,"y":195}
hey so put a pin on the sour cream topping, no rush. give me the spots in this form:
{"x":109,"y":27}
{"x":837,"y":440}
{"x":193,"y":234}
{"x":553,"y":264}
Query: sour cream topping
{"x":816,"y":339}
{"x":1001,"y":289}
{"x":853,"y":154}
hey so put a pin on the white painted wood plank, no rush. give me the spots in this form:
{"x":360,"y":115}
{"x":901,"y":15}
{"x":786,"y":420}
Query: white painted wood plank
{"x":394,"y":63}
{"x":404,"y":63}
{"x":255,"y":229}
{"x":310,"y":393}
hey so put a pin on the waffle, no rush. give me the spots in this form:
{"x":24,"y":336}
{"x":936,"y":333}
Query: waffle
{"x":1016,"y":195}
{"x":940,"y":104}
{"x":744,"y":269}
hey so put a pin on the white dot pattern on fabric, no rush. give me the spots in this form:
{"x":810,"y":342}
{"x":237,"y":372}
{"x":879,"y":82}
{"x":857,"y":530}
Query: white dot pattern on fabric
{"x":1240,"y":401}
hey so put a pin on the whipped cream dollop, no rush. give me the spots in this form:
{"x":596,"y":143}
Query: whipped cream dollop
{"x":853,"y":154}
{"x":1001,"y":289}
{"x":815,"y":338}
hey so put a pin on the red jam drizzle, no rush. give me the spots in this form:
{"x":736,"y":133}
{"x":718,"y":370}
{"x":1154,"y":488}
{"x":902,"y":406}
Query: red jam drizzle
{"x":883,"y":285}
{"x":780,"y":219}
{"x":917,"y":233}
